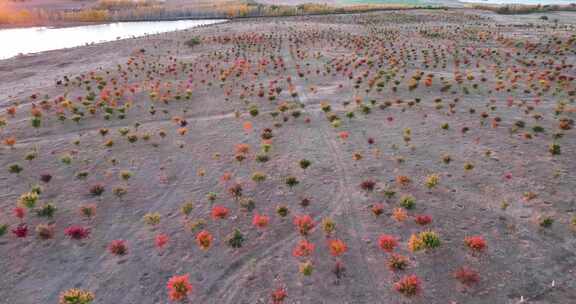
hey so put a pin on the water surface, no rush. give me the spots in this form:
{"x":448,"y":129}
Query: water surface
{"x":38,"y":39}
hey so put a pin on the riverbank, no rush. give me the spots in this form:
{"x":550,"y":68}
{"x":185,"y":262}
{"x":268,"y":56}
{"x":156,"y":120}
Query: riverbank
{"x":270,"y":9}
{"x":38,"y":39}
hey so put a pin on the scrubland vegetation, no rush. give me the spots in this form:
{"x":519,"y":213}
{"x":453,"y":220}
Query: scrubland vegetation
{"x":128,"y":10}
{"x":518,"y":9}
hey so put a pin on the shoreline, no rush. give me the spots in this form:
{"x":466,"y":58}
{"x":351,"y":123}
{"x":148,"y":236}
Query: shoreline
{"x":435,"y":5}
{"x":23,"y":55}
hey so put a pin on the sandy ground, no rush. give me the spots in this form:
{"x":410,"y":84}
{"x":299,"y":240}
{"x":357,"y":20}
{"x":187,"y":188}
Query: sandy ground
{"x":304,"y":63}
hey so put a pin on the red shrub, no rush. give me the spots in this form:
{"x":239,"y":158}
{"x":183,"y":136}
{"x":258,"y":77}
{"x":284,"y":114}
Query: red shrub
{"x":423,"y":219}
{"x":476,"y":243}
{"x":179,"y":287}
{"x":337,"y":247}
{"x":21,"y":231}
{"x":161,"y":240}
{"x":408,"y":285}
{"x":260,"y":221}
{"x":387,"y":242}
{"x":235,"y":191}
{"x":19,"y":212}
{"x":219,"y":212}
{"x":118,"y":247}
{"x":77,"y":232}
{"x":377,"y":209}
{"x":303,"y":249}
{"x":368,"y":185}
{"x":204,"y":239}
{"x":279,"y":295}
{"x":466,"y":276}
{"x":304,"y":223}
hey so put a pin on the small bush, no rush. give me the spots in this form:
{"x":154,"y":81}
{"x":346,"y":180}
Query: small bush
{"x":387,"y":242}
{"x":15,"y":168}
{"x":282,"y":211}
{"x":328,"y":226}
{"x":45,"y":231}
{"x":235,"y":239}
{"x":21,"y":231}
{"x":337,"y":247}
{"x":292,"y":181}
{"x":423,"y":241}
{"x":397,"y":262}
{"x":554,"y":149}
{"x":47,"y":210}
{"x":219,"y":212}
{"x":476,"y":243}
{"x":192,"y":42}
{"x":466,"y":276}
{"x":77,"y":232}
{"x":408,"y":286}
{"x":408,"y":202}
{"x":432,"y":180}
{"x":258,"y":177}
{"x":204,"y":239}
{"x":546,"y":222}
{"x":76,"y":296}
{"x":187,"y":208}
{"x":304,"y":163}
{"x":368,"y":185}
{"x":306,"y":268}
{"x":88,"y":211}
{"x":279,"y":295}
{"x":423,"y":220}
{"x":304,"y":224}
{"x":97,"y":190}
{"x":179,"y":287}
{"x":377,"y":209}
{"x":260,"y":221}
{"x":152,"y":219}
{"x":3,"y":229}
{"x":118,"y":247}
{"x":28,"y":199}
{"x":303,"y":249}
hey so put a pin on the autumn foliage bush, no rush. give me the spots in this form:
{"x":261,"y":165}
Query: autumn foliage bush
{"x":76,"y":296}
{"x":466,"y":275}
{"x":304,"y":224}
{"x":179,"y":287}
{"x":21,"y":231}
{"x":118,"y":247}
{"x":408,"y":285}
{"x":279,"y":295}
{"x":423,"y":241}
{"x":204,"y":239}
{"x":387,"y":242}
{"x":475,"y":243}
{"x":260,"y":221}
{"x":219,"y":212}
{"x":303,"y":249}
{"x":397,"y":262}
{"x":77,"y":232}
{"x":337,"y":247}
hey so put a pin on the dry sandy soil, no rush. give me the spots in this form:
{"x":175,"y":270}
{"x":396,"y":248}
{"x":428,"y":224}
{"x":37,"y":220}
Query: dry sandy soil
{"x":495,"y":85}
